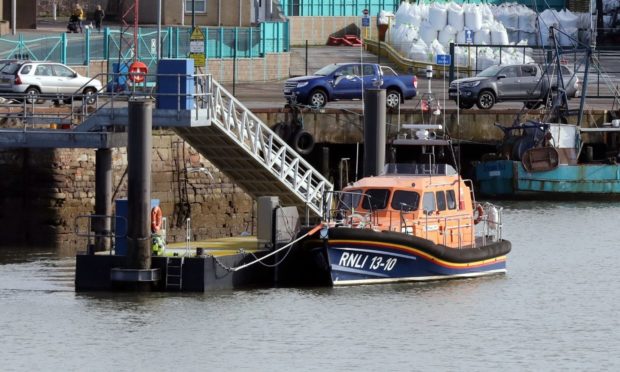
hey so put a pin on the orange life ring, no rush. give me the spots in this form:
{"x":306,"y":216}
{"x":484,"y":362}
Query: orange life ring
{"x":156,"y":219}
{"x":137,"y":70}
{"x":478,"y":213}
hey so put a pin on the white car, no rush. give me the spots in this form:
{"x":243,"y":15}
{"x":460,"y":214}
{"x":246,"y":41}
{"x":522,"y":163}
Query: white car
{"x":35,"y":81}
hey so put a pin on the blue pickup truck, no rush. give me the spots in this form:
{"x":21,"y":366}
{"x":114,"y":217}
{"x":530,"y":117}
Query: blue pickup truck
{"x":345,"y":81}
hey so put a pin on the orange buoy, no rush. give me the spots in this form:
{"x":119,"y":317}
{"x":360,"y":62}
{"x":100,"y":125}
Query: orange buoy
{"x":137,"y":71}
{"x":156,"y":219}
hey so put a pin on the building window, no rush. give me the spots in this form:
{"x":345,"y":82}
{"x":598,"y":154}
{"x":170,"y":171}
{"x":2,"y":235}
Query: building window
{"x":201,"y":6}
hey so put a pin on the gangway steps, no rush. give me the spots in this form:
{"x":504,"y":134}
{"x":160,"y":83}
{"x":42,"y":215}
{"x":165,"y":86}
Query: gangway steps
{"x":244,"y":148}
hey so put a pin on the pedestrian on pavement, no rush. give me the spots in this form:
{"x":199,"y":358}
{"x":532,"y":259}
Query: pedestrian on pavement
{"x":99,"y":15}
{"x":78,"y":13}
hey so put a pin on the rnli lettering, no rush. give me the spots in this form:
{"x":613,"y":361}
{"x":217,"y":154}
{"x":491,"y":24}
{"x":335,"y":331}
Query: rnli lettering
{"x":358,"y":261}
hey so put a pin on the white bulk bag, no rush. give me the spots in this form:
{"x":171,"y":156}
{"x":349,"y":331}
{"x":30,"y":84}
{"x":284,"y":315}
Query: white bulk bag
{"x":527,"y":19}
{"x":402,"y":14}
{"x":499,"y":36}
{"x":447,"y":35}
{"x":473,"y":17}
{"x":428,"y":33}
{"x":482,"y":36}
{"x":418,"y":51}
{"x":456,"y":17}
{"x":508,"y":16}
{"x":384,"y":17}
{"x":438,"y":16}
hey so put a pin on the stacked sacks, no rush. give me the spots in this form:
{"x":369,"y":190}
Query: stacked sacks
{"x":422,"y":31}
{"x":565,"y":21}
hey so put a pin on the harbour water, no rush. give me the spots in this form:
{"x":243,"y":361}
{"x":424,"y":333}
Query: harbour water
{"x":556,"y":309}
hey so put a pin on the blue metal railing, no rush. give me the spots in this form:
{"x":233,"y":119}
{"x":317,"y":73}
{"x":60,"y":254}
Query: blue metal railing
{"x":80,"y":49}
{"x":341,"y":8}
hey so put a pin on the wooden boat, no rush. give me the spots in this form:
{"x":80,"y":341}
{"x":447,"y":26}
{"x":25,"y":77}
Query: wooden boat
{"x":415,"y":222}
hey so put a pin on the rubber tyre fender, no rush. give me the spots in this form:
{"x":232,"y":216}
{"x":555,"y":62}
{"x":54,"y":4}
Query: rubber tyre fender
{"x":302,"y":142}
{"x":283,"y":130}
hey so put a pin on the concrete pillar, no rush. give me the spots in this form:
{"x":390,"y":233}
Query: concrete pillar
{"x":374,"y":132}
{"x":103,"y":199}
{"x":139,"y":148}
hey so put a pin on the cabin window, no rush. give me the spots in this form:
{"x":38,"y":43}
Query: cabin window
{"x":428,"y":203}
{"x":441,"y":200}
{"x":405,"y":200}
{"x":349,"y":199}
{"x":451,"y":199}
{"x":376,"y":199}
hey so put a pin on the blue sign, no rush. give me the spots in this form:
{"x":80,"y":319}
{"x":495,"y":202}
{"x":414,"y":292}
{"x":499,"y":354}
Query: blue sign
{"x":365,"y":21}
{"x":443,"y":59}
{"x":469,"y":37}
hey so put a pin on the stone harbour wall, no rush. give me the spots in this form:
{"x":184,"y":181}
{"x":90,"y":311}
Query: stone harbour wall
{"x":45,"y":191}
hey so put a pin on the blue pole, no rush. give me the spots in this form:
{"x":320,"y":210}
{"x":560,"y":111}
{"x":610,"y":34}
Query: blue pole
{"x":87,"y":52}
{"x":106,"y":41}
{"x":63,"y":48}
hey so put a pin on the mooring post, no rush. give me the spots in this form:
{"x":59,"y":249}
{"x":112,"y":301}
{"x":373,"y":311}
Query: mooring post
{"x":139,"y":148}
{"x":374,"y":131}
{"x":103,"y":199}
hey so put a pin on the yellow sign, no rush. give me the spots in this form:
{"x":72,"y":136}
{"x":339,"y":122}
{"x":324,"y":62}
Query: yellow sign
{"x":197,"y":47}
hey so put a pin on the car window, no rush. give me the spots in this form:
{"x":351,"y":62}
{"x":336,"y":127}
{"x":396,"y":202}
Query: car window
{"x":26,"y":69}
{"x":62,"y":71}
{"x":349,"y":70}
{"x":326,"y":70}
{"x":369,"y":70}
{"x":405,"y":200}
{"x":388,"y":71}
{"x":43,"y":70}
{"x":11,"y":68}
{"x":490,"y":71}
{"x":528,"y":70}
{"x":511,"y":71}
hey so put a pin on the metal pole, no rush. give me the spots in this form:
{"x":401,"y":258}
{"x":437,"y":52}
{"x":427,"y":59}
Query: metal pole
{"x":219,"y":13}
{"x":240,"y":5}
{"x":139,"y":148}
{"x":306,"y":57}
{"x":103,"y":199}
{"x":14,"y":17}
{"x":193,"y":14}
{"x":158,"y":30}
{"x":374,"y":132}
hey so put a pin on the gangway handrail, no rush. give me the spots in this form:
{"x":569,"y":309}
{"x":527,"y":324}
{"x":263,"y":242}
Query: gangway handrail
{"x":249,"y":132}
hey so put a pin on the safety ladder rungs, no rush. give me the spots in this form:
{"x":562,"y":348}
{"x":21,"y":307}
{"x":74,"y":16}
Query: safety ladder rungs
{"x":174,"y":273}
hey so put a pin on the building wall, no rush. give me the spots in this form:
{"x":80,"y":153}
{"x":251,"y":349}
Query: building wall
{"x":227,"y":15}
{"x":317,"y":30}
{"x":45,"y":190}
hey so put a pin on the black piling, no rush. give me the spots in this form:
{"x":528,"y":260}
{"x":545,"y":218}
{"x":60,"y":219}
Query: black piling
{"x":139,"y":148}
{"x":374,"y":132}
{"x":103,"y":199}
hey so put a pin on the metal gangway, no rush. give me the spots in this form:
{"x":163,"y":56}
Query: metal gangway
{"x":239,"y":144}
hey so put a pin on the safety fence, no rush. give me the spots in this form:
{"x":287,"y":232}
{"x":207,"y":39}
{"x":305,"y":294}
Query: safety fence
{"x":112,"y":44}
{"x":344,"y":8}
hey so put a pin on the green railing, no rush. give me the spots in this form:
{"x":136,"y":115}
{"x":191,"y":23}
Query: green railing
{"x":80,"y":49}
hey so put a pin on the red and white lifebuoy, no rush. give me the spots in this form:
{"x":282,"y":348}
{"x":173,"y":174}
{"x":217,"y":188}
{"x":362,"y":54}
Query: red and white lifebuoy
{"x":156,"y":219}
{"x":478,"y":214}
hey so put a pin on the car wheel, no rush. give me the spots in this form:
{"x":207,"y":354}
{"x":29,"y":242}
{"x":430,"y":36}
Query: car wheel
{"x":486,"y":100}
{"x":392,"y":99}
{"x":465,"y":105}
{"x":32,"y":95}
{"x":90,"y":96}
{"x":318,"y":98}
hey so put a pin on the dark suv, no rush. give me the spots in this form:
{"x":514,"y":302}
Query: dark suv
{"x":498,"y":83}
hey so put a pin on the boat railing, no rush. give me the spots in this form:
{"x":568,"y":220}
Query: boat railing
{"x":342,"y":212}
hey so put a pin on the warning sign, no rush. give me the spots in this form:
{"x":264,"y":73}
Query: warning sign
{"x":197,"y":47}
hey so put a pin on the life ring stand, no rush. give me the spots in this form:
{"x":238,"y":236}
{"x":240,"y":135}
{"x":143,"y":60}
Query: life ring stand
{"x":156,"y":219}
{"x":478,"y":214}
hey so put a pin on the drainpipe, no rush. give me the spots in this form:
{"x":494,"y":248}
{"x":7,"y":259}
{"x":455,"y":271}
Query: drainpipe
{"x":14,"y":17}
